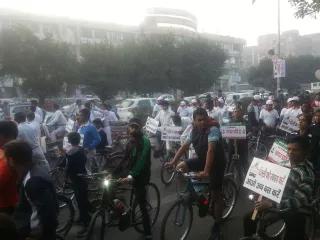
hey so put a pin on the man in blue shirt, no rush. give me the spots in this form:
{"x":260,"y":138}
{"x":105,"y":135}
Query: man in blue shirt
{"x":90,"y":136}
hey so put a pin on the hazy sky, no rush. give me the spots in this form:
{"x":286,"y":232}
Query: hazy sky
{"x":238,"y":18}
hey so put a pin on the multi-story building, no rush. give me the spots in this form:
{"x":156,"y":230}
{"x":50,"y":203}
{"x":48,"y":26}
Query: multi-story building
{"x":291,"y":44}
{"x":181,"y":24}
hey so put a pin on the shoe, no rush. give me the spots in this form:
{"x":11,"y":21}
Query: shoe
{"x":82,"y":232}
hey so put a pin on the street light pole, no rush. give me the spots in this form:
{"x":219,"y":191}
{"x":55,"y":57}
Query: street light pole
{"x":279,"y":47}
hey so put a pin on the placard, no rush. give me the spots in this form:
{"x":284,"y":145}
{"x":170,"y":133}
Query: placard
{"x":152,"y":125}
{"x":289,"y":125}
{"x":171,"y":134}
{"x":267,"y":179}
{"x":70,"y":126}
{"x":233,"y":132}
{"x":279,"y":153}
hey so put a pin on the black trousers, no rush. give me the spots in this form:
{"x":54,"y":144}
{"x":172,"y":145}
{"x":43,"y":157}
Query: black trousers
{"x":295,"y":224}
{"x":80,"y":188}
{"x":141,"y":198}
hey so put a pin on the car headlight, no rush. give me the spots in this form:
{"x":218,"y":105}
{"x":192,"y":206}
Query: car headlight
{"x":106,"y":183}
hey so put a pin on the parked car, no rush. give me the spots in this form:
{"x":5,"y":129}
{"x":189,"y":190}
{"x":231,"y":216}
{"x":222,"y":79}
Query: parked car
{"x":135,"y":107}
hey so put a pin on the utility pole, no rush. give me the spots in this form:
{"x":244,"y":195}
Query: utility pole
{"x":279,"y":47}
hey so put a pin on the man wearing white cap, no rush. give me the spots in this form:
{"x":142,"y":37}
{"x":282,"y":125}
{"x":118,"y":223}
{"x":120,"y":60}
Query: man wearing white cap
{"x":295,"y":110}
{"x":157,"y":107}
{"x":221,"y":111}
{"x":284,"y":110}
{"x":269,"y":116}
{"x":194,"y":105}
{"x":253,"y":112}
{"x":183,"y":110}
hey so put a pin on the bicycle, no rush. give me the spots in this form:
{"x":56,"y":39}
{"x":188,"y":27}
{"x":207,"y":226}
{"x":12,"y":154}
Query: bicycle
{"x":65,"y":216}
{"x":114,"y":212}
{"x":180,"y":214}
{"x":235,"y":167}
{"x":108,"y":159}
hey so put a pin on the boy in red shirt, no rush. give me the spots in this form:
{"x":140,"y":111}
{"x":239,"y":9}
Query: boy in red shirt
{"x":8,"y":181}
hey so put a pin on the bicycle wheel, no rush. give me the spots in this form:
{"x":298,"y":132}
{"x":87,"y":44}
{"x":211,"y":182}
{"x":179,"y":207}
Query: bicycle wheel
{"x":167,"y":174}
{"x":258,"y":150}
{"x":153,"y":207}
{"x":177,"y":222}
{"x":237,"y":172}
{"x":65,"y":216}
{"x":230,"y":195}
{"x":97,"y":227}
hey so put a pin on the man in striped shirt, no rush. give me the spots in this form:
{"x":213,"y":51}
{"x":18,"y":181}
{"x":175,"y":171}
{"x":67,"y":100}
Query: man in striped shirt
{"x":297,"y":195}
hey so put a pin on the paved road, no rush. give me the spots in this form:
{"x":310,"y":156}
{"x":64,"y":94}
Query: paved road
{"x":201,"y":226}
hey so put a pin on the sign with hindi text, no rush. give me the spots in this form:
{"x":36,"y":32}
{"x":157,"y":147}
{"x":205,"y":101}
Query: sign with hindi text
{"x":267,"y":179}
{"x":171,"y":134}
{"x":279,"y":153}
{"x":152,"y":125}
{"x":233,"y":132}
{"x":289,"y":125}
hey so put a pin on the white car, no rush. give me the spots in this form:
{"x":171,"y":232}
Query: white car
{"x":135,"y":107}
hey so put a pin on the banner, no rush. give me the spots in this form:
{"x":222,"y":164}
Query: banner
{"x":70,"y":126}
{"x":279,"y":154}
{"x":267,"y":179}
{"x":289,"y":125}
{"x":233,"y":132}
{"x":152,"y":125}
{"x":171,"y":134}
{"x":279,"y":68}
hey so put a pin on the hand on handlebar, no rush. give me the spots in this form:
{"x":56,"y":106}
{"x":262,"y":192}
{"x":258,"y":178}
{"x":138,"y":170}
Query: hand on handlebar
{"x":202,"y":174}
{"x":169,"y":164}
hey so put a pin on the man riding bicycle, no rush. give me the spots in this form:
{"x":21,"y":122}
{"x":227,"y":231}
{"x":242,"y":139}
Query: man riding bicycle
{"x":207,"y":142}
{"x":297,"y":195}
{"x":138,"y":154}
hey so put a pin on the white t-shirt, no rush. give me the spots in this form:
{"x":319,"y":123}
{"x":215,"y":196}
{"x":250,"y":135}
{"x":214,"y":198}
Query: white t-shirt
{"x":165,"y":117}
{"x":293,"y":112}
{"x":269,"y":118}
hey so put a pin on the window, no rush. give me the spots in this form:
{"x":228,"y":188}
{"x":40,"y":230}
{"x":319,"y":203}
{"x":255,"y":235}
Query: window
{"x":144,"y":103}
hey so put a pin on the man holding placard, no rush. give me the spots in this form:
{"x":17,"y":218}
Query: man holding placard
{"x":297,"y":193}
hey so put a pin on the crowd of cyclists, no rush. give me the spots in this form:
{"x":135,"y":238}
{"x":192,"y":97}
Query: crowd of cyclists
{"x":28,"y":200}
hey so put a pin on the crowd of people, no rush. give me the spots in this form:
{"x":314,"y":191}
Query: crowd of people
{"x":28,"y":204}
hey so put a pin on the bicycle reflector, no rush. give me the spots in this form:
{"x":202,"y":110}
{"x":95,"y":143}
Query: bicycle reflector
{"x":203,"y":204}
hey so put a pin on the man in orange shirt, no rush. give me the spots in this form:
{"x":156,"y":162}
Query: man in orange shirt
{"x":8,"y":181}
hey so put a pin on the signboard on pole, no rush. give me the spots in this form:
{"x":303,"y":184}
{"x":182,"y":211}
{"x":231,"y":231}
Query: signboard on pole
{"x":152,"y":125}
{"x":267,"y":179}
{"x":279,"y":68}
{"x":279,"y":154}
{"x":289,"y":125}
{"x":233,"y":132}
{"x":171,"y":134}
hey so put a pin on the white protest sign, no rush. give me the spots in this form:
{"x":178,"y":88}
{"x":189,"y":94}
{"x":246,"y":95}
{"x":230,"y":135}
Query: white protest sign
{"x":267,"y":179}
{"x":279,"y":68}
{"x":171,"y":134}
{"x":279,"y":154}
{"x":289,"y":124}
{"x":233,"y":132}
{"x":70,"y":126}
{"x":152,"y":125}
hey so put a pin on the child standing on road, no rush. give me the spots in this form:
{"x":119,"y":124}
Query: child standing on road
{"x":75,"y":164}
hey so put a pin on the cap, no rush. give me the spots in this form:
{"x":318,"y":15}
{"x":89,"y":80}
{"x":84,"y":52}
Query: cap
{"x":296,"y":99}
{"x":182,"y":103}
{"x":256,"y":97}
{"x":269,"y":102}
{"x":289,"y":100}
{"x":271,"y":97}
{"x":194,"y":101}
{"x":160,"y":98}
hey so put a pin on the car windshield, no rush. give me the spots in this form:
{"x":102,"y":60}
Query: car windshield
{"x":125,"y":104}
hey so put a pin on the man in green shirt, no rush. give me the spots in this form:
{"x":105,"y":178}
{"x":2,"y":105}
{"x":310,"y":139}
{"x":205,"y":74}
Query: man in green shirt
{"x":138,"y":152}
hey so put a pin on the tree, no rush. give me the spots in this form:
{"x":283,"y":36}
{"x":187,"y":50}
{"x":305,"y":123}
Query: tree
{"x":306,"y":7}
{"x":44,"y":65}
{"x":299,"y":70}
{"x":152,"y":64}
